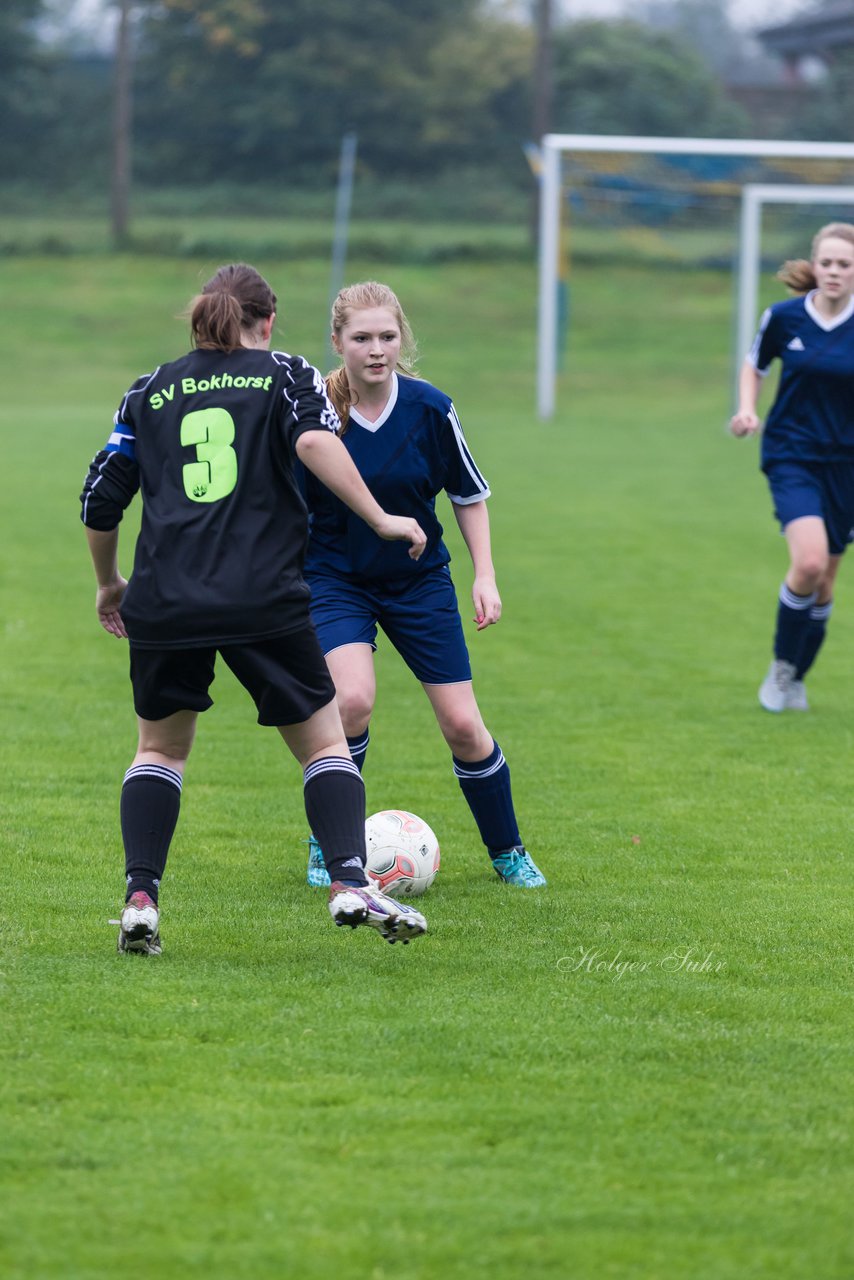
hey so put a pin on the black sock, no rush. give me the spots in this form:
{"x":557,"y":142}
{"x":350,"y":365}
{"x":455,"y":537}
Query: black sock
{"x":335,"y":808}
{"x":359,"y":749}
{"x":151,"y":799}
{"x":486,"y":786}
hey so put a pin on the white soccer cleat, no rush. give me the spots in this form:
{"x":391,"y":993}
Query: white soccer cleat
{"x":139,"y":925}
{"x":356,"y":905}
{"x":796,"y":699}
{"x":775,"y":688}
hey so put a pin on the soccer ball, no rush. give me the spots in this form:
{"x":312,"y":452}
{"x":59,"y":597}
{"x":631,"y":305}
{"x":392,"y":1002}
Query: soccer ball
{"x":403,"y":853}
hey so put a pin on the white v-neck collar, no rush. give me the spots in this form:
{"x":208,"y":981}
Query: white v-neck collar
{"x":390,"y":403}
{"x":827,"y":325}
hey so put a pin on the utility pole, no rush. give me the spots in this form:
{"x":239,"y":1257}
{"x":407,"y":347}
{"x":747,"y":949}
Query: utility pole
{"x":543,"y":95}
{"x":543,"y":77}
{"x":343,"y":201}
{"x":122,"y":92}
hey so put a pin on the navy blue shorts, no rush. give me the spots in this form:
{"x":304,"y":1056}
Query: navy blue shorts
{"x":287,"y":678}
{"x":420,"y":616}
{"x":820,"y":489}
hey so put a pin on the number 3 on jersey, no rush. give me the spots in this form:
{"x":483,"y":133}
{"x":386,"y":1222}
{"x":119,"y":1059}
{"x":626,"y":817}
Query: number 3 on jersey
{"x":214,"y":475}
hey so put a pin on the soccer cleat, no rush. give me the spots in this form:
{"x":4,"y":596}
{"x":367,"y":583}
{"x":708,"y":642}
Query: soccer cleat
{"x":316,"y":875}
{"x":775,"y":688}
{"x":796,"y":699}
{"x":139,"y":925}
{"x":356,"y":905}
{"x":516,"y":866}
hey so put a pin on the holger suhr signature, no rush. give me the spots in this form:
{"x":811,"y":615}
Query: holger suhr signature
{"x":680,"y":959}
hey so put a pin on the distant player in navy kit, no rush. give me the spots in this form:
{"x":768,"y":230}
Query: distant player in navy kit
{"x":210,"y":440}
{"x":807,"y":447}
{"x":406,"y":441}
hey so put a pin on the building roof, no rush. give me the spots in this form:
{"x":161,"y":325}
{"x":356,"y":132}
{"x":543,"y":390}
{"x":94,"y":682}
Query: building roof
{"x":816,"y":33}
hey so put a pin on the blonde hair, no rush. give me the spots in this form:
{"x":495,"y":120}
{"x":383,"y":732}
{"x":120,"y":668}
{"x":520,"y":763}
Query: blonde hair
{"x":360,"y":297}
{"x":798,"y":274}
{"x":232,"y":302}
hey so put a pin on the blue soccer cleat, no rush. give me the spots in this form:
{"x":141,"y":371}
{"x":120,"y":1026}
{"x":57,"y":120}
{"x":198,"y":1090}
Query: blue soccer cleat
{"x":316,"y":874}
{"x":516,"y":866}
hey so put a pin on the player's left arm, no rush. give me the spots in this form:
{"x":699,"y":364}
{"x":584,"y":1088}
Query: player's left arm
{"x":473,"y":520}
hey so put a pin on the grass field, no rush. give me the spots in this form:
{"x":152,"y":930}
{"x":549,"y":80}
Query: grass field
{"x":642,"y":1072}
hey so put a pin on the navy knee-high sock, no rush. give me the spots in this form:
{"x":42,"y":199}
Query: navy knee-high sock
{"x":359,"y":748}
{"x":486,"y":787}
{"x":814,"y":638}
{"x":335,"y":807}
{"x":150,"y":802}
{"x":793,"y":620}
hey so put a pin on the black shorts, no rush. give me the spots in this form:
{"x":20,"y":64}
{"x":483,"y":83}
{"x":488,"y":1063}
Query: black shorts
{"x":287,"y":677}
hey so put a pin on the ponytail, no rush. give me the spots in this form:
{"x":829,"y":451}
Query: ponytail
{"x":798,"y":274}
{"x":229,"y":305}
{"x":338,"y":390}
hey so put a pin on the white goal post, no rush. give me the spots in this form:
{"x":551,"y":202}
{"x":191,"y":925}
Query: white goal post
{"x":753,"y":196}
{"x":551,"y":193}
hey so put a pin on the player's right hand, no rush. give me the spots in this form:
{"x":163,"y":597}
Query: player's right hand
{"x":744,"y":423}
{"x":402,"y":529}
{"x":107,"y":604}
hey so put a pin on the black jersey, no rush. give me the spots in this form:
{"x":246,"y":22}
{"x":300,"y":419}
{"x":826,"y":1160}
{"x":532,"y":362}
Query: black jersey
{"x":208,"y":440}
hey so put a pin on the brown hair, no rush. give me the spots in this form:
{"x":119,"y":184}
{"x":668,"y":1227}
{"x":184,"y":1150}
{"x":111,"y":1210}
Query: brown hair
{"x":797,"y":273}
{"x":359,"y":297}
{"x":233,"y":301}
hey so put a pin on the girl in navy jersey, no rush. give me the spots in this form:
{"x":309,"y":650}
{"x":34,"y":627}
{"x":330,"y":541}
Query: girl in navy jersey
{"x":210,"y":440}
{"x":407,"y":443}
{"x":807,"y":447}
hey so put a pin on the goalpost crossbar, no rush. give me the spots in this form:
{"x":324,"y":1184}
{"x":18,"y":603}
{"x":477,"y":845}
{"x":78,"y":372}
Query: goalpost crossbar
{"x":754,"y":196}
{"x":553,"y":145}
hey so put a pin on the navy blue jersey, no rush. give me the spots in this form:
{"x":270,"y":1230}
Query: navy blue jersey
{"x":414,"y":450}
{"x":208,"y":440}
{"x":812,"y":418}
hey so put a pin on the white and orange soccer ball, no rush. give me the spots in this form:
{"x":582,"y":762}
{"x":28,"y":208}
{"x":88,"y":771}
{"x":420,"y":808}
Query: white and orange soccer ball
{"x":403,"y":853}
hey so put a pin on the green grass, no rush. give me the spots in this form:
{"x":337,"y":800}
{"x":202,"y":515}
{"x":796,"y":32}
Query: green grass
{"x":543,"y":1086}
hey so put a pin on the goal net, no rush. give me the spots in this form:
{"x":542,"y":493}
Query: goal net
{"x":679,"y":201}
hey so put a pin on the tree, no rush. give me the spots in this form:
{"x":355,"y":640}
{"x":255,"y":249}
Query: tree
{"x":252,"y":88}
{"x":24,"y":106}
{"x":122,"y":137}
{"x":829,"y":113}
{"x":701,"y":25}
{"x":622,"y":77}
{"x":18,"y":48}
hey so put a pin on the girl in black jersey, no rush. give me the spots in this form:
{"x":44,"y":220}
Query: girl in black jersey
{"x":210,"y":441}
{"x":807,"y":447}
